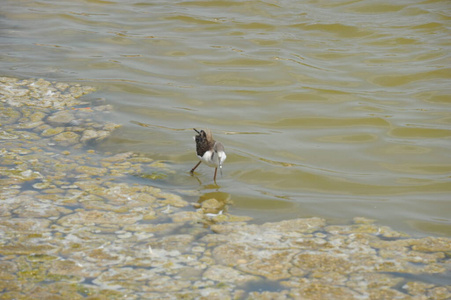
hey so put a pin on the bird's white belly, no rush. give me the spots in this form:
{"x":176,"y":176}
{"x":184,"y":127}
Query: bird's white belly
{"x":208,"y":159}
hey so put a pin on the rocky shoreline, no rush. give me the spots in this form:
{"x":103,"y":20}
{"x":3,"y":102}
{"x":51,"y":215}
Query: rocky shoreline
{"x":71,"y":226}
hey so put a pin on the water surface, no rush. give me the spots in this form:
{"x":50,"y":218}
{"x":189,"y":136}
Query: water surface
{"x":333,"y":109}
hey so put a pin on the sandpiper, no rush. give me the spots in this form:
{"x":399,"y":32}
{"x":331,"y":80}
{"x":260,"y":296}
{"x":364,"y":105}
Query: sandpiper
{"x":209,"y":151}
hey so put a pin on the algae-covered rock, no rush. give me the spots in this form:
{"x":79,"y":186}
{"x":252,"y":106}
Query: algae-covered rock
{"x":299,"y":225}
{"x":89,"y":135}
{"x":432,"y":244}
{"x":212,"y":206}
{"x":52,"y":131}
{"x":322,"y":262}
{"x":61,"y":118}
{"x":271,"y":265}
{"x":173,"y":200}
{"x":94,"y":135}
{"x":120,"y":157}
{"x":9,"y":115}
{"x":222,"y":273}
{"x":67,"y":138}
{"x":178,"y":242}
{"x":4,"y":135}
{"x":37,"y":116}
{"x":233,"y":254}
{"x":8,"y":270}
{"x":98,"y":217}
{"x":25,"y":249}
{"x":186,"y":216}
{"x":93,"y":171}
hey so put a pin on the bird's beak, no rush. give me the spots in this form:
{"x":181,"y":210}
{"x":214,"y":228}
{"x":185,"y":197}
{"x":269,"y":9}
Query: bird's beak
{"x":196,"y":130}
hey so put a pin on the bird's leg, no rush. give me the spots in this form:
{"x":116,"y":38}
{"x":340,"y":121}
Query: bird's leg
{"x":214,"y":178}
{"x":192,"y":170}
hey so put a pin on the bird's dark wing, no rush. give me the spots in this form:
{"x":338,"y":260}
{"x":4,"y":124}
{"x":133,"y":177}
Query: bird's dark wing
{"x":202,"y":144}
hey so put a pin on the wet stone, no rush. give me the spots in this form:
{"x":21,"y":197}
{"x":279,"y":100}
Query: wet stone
{"x":322,"y":263}
{"x":37,"y":116}
{"x":173,"y":242}
{"x":91,"y":170}
{"x":232,"y":254}
{"x":273,"y":266}
{"x":9,"y":115}
{"x":66,"y":267}
{"x":4,"y":135}
{"x":98,"y":217}
{"x":186,"y":216}
{"x":61,"y":118}
{"x":173,"y":200}
{"x":37,"y":209}
{"x":52,"y":131}
{"x":66,"y":138}
{"x":121,"y":157}
{"x":212,"y":206}
{"x":26,"y":249}
{"x":30,"y":125}
{"x":89,"y":135}
{"x":430,"y":244}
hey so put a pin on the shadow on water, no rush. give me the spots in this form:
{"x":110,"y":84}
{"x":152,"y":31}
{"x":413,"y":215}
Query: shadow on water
{"x":260,"y":286}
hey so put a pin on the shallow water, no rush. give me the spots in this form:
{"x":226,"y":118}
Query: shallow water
{"x":333,"y":109}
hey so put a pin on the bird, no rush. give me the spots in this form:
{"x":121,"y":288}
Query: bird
{"x":209,"y":151}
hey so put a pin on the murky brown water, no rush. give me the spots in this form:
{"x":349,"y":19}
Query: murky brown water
{"x":333,"y":109}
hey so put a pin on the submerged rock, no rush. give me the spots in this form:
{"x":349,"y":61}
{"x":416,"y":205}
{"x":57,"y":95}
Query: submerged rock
{"x":212,"y":206}
{"x":66,"y":138}
{"x":52,"y":131}
{"x":61,"y":118}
